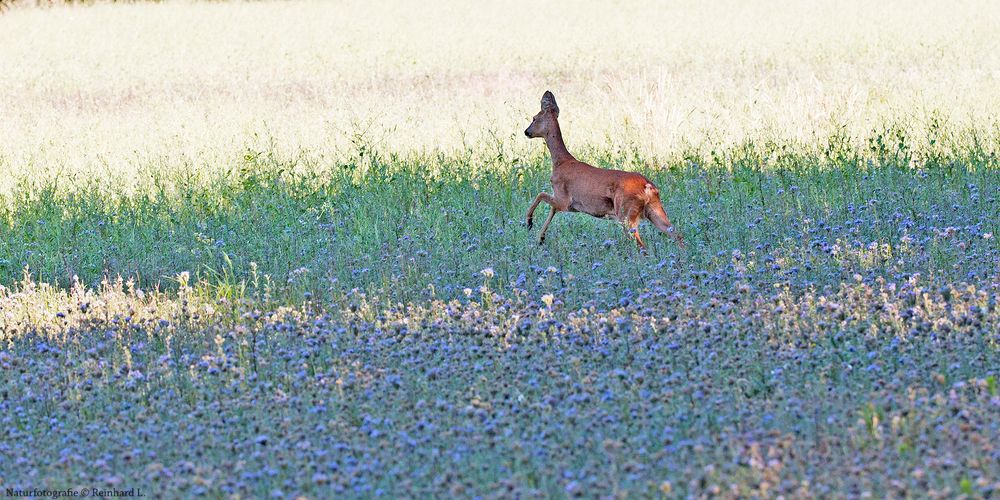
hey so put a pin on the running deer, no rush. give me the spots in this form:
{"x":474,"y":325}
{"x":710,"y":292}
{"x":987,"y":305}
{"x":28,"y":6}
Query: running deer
{"x":579,"y":187}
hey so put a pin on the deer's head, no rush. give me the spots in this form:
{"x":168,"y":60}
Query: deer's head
{"x":545,"y":120}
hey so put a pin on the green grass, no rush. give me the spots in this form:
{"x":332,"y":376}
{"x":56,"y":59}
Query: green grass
{"x":411,"y":228}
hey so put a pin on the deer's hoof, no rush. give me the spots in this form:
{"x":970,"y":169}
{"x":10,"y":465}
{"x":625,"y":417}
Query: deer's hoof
{"x":530,"y":224}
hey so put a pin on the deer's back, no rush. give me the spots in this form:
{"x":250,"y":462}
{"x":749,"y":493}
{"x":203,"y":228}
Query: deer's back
{"x":579,"y":177}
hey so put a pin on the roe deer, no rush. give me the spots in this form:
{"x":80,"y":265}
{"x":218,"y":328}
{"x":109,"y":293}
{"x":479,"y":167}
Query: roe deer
{"x":579,"y":187}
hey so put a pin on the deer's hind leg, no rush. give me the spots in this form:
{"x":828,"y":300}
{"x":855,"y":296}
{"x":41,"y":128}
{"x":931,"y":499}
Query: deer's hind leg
{"x":633,"y":214}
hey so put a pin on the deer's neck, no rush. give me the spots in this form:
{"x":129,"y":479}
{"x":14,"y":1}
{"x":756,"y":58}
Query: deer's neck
{"x":557,"y":147}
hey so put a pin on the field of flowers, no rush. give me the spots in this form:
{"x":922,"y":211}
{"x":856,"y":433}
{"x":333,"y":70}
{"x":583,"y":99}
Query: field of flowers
{"x":299,"y":267}
{"x":828,"y":331}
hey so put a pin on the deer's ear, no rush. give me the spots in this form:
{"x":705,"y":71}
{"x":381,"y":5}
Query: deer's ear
{"x":549,"y":102}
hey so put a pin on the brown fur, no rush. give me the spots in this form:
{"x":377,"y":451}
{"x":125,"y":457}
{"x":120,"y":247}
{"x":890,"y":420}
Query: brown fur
{"x":579,"y":187}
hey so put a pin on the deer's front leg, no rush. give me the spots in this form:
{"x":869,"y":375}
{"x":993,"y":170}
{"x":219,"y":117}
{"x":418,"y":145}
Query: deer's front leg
{"x":558,"y":205}
{"x":545,"y":227}
{"x":547,"y":198}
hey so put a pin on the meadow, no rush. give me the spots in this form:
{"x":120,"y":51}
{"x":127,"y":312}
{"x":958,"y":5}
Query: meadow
{"x":278,"y":249}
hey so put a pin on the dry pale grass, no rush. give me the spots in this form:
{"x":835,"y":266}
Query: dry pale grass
{"x":93,"y":92}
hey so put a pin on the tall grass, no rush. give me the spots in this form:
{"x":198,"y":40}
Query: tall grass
{"x":399,"y":227}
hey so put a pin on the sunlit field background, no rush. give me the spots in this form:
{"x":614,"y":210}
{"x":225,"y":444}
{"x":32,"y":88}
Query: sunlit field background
{"x":114,"y":88}
{"x":277,"y":248}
